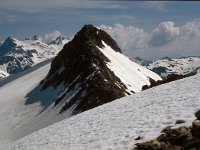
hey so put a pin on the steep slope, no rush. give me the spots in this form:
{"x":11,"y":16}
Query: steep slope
{"x":16,"y":55}
{"x":93,"y":71}
{"x":13,"y":112}
{"x":167,"y":67}
{"x":115,"y":125}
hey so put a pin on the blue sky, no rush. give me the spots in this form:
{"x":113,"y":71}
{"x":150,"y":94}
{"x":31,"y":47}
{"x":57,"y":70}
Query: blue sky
{"x":24,"y":18}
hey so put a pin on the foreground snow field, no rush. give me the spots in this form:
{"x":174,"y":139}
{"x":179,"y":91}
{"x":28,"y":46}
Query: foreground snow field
{"x":114,"y":125}
{"x":13,"y":112}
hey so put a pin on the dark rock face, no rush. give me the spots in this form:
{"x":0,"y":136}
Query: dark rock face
{"x":169,"y":79}
{"x":197,"y":115}
{"x":156,"y":145}
{"x":81,"y":68}
{"x":196,"y":128}
{"x":182,"y":138}
{"x":179,"y":121}
{"x":7,"y":46}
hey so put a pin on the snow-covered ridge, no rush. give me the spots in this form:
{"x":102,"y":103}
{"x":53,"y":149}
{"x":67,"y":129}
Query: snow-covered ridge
{"x":18,"y":55}
{"x":115,"y":125}
{"x":183,"y":66}
{"x":131,"y":74}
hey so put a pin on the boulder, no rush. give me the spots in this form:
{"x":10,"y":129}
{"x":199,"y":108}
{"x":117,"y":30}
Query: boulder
{"x":179,"y":121}
{"x":196,"y":128}
{"x":197,"y":114}
{"x":156,"y":145}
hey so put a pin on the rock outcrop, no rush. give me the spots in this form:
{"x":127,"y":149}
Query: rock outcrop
{"x":83,"y":71}
{"x":182,"y":138}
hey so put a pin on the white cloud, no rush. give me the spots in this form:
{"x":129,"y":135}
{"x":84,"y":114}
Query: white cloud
{"x":129,"y":37}
{"x":164,"y":33}
{"x":158,"y":5}
{"x":165,"y":40}
{"x":51,"y":36}
{"x":191,"y":29}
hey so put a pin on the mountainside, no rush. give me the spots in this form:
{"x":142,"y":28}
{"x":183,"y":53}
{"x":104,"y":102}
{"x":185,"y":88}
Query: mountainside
{"x":89,"y":71}
{"x":16,"y":118}
{"x":116,"y":125}
{"x":16,"y":55}
{"x":93,"y":71}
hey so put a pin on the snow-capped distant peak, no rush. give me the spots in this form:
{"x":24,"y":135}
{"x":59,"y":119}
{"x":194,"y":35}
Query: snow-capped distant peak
{"x":167,"y":67}
{"x":59,"y":40}
{"x":18,"y":55}
{"x":9,"y":44}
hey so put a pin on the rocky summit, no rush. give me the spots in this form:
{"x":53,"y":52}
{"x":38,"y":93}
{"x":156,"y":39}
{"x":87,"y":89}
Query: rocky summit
{"x":82,"y":69}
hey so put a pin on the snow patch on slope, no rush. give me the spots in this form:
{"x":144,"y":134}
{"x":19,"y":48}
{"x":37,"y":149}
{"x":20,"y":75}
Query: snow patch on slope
{"x":115,"y":125}
{"x":131,"y":74}
{"x":13,"y":112}
{"x":24,"y":108}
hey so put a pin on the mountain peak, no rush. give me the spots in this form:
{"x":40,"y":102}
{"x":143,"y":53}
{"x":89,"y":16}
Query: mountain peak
{"x":95,"y":35}
{"x":18,"y":55}
{"x":8,"y":45}
{"x":10,"y":39}
{"x":166,"y":57}
{"x":35,"y":38}
{"x":59,"y":40}
{"x":93,"y":71}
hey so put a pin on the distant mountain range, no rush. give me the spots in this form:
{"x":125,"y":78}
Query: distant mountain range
{"x":18,"y":55}
{"x":168,"y":68}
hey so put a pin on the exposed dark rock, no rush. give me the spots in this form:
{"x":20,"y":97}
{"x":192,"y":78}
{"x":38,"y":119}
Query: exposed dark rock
{"x":196,"y":128}
{"x":81,"y":68}
{"x":138,"y":138}
{"x":156,"y":145}
{"x":161,"y":137}
{"x":179,"y":121}
{"x":197,"y":114}
{"x":181,"y":138}
{"x":169,"y":79}
{"x":193,"y":143}
{"x":7,"y":46}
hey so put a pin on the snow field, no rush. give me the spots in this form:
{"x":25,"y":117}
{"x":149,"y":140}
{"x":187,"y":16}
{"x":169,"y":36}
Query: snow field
{"x":115,"y":125}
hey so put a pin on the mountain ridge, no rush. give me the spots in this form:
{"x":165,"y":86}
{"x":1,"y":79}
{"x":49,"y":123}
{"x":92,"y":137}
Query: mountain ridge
{"x":83,"y":68}
{"x":18,"y":55}
{"x":172,"y":67}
